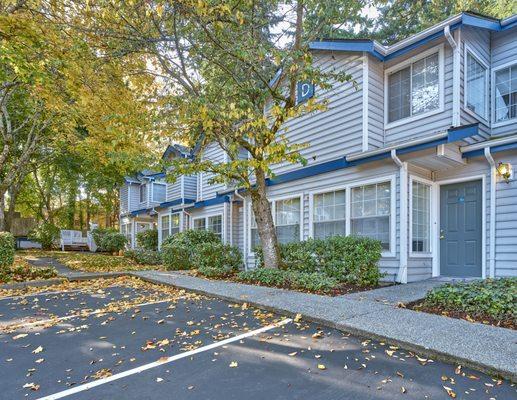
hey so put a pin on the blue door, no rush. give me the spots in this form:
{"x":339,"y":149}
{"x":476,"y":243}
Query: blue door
{"x":460,"y":229}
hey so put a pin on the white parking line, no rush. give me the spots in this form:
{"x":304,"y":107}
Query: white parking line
{"x":78,"y":315}
{"x":162,"y":361}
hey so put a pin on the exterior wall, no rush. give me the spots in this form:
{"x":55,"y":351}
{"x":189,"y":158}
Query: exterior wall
{"x":305,"y":187}
{"x":336,"y":131}
{"x":190,"y":187}
{"x":206,"y":190}
{"x":124,"y":199}
{"x":375,"y":102}
{"x":427,"y":125}
{"x":134,"y":197}
{"x":221,"y":209}
{"x":174,"y":190}
{"x":504,"y":51}
{"x":478,"y":42}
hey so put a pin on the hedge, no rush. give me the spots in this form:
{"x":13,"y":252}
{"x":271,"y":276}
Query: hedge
{"x":147,"y":240}
{"x":347,"y":259}
{"x":6,"y":250}
{"x":217,"y":260}
{"x":144,"y":257}
{"x":109,"y":240}
{"x":179,"y":250}
{"x":45,"y":234}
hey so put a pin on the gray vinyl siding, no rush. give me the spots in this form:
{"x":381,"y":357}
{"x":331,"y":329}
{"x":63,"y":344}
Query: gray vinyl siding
{"x":429,"y":125}
{"x":124,"y":199}
{"x":506,"y":223}
{"x":190,"y":187}
{"x":346,"y":176}
{"x":134,"y":203}
{"x":214,"y":153}
{"x":504,"y":51}
{"x":375,"y":103}
{"x":174,"y":190}
{"x":336,"y":131}
{"x":478,"y":40}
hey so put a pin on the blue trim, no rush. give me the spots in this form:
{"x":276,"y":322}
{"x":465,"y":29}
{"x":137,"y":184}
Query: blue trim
{"x":480,"y":22}
{"x":347,"y":45}
{"x":494,"y":149}
{"x":141,"y":211}
{"x":210,"y":202}
{"x":307,"y":172}
{"x":176,"y":202}
{"x":462,"y":132}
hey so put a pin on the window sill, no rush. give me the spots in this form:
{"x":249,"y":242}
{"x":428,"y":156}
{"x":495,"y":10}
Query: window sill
{"x":477,"y":116}
{"x":504,"y":123}
{"x":416,"y":255}
{"x":404,"y":121}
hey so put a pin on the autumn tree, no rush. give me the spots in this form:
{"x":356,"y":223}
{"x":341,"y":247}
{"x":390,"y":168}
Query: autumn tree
{"x":229,"y":72}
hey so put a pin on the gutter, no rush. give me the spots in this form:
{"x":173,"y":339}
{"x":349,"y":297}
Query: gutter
{"x":403,"y":221}
{"x":488,"y":143}
{"x":493,"y":193}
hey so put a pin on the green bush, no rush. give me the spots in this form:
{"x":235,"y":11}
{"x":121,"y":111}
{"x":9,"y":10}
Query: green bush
{"x":45,"y":234}
{"x":22,"y":273}
{"x":144,"y":257}
{"x":179,"y":250}
{"x":109,"y":240}
{"x":496,"y":298}
{"x":147,"y":240}
{"x":309,"y":281}
{"x":345,"y":258}
{"x":217,"y":260}
{"x":6,"y":250}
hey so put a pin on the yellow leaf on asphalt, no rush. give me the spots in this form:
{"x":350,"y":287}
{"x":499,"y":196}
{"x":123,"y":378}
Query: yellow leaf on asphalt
{"x":37,"y":350}
{"x":403,"y":389}
{"x":31,"y":386}
{"x":234,"y":364}
{"x":297,"y":318}
{"x":450,"y":392}
{"x":293,"y":353}
{"x":20,"y":336}
{"x":40,"y":360}
{"x":321,"y":366}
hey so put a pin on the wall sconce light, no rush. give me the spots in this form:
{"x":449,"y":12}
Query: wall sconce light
{"x":504,"y":170}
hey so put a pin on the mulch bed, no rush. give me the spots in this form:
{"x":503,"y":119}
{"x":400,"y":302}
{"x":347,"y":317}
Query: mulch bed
{"x":483,"y":319}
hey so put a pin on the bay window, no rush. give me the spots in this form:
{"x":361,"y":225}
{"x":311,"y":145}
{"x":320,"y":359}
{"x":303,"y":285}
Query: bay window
{"x":329,"y":214}
{"x":414,"y":89}
{"x":506,"y":93}
{"x":371,"y":212}
{"x":476,"y":86}
{"x":420,"y":217}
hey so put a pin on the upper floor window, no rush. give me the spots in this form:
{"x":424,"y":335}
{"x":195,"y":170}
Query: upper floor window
{"x":159,"y":191}
{"x":506,"y":93}
{"x":415,"y":89}
{"x":143,"y":193}
{"x":476,"y":85}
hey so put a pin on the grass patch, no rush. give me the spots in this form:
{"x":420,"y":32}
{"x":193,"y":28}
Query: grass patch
{"x":491,"y":301}
{"x":90,"y":262}
{"x":22,"y":271}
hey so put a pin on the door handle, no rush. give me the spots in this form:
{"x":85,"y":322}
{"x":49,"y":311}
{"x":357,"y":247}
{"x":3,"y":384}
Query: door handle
{"x":442,"y":236}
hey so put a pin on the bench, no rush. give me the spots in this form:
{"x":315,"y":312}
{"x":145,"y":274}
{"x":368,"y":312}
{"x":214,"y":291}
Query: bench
{"x":72,"y":238}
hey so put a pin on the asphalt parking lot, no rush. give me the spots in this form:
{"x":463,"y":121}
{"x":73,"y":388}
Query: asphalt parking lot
{"x":109,"y":340}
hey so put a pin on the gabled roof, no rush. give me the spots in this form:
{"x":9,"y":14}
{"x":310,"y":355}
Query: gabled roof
{"x":385,"y":53}
{"x":178,"y":150}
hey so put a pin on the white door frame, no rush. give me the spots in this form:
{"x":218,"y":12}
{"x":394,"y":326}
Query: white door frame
{"x":436,"y":253}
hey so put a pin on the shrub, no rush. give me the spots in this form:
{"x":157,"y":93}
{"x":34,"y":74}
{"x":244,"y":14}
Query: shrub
{"x":496,"y":298}
{"x":109,"y":240}
{"x":179,"y":250}
{"x":345,"y":258}
{"x":217,"y":260}
{"x":144,"y":257}
{"x":45,"y":234}
{"x":148,"y":240}
{"x":6,"y":250}
{"x":309,"y":281}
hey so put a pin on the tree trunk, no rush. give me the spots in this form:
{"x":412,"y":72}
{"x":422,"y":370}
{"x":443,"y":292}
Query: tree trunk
{"x":2,"y":211}
{"x":9,"y":216}
{"x":265,"y":225}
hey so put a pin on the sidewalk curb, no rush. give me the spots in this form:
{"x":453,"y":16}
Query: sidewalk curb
{"x":416,"y":348}
{"x":35,"y":283}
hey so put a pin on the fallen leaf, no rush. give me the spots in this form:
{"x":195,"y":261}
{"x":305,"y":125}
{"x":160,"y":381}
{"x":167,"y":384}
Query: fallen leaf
{"x":37,"y":350}
{"x":321,"y":366}
{"x":293,"y":353}
{"x":40,"y":360}
{"x":234,"y":364}
{"x":403,"y":389}
{"x":159,"y":379}
{"x":20,"y":336}
{"x":31,"y":386}
{"x":297,"y":318}
{"x":450,"y":392}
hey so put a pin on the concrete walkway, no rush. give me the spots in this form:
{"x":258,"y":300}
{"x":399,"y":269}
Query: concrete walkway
{"x":483,"y":347}
{"x":69,"y":273}
{"x":373,"y":314}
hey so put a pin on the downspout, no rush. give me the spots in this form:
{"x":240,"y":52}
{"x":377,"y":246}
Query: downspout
{"x":403,"y":223}
{"x":493,"y":183}
{"x":244,"y":239}
{"x":455,"y":45}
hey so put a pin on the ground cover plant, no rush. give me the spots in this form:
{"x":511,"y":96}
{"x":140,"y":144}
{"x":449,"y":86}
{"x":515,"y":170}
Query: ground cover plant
{"x":490,"y":301}
{"x":22,"y":271}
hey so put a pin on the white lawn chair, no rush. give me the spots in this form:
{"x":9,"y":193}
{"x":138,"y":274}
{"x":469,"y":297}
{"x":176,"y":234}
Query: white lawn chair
{"x":72,"y":239}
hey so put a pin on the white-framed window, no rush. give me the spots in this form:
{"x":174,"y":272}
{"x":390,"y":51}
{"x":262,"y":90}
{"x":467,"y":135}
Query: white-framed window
{"x":371,"y":212}
{"x":505,"y":94}
{"x":287,"y":217}
{"x":175,"y":223}
{"x":125,"y":229}
{"x":329,"y":214}
{"x":199,"y":224}
{"x":165,"y":226}
{"x":159,"y":192}
{"x":414,"y":88}
{"x":213,"y":223}
{"x":420,"y":206}
{"x":476,"y":84}
{"x":143,"y":193}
